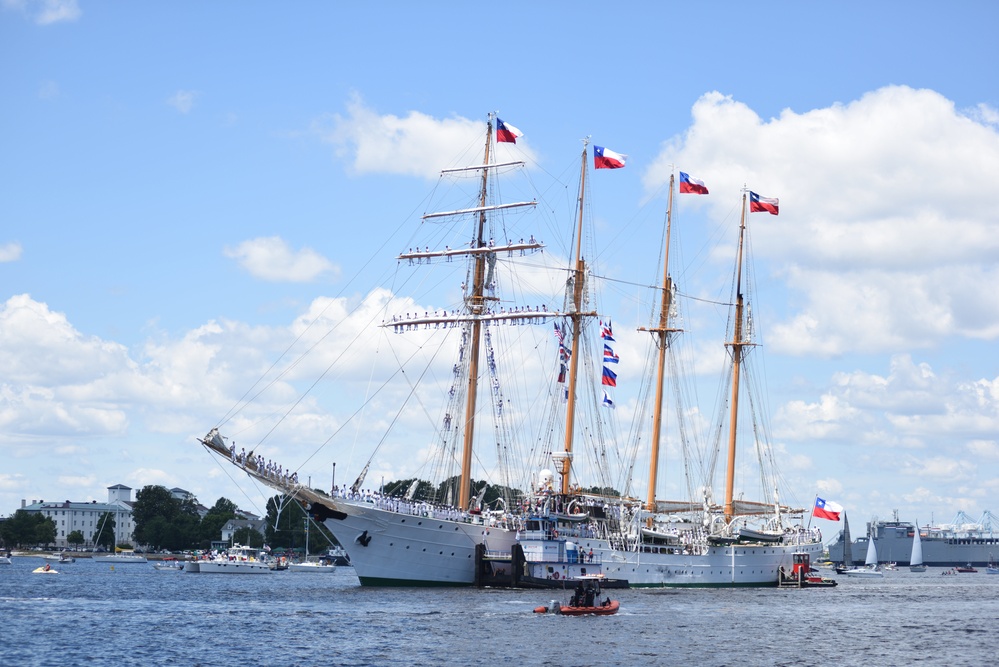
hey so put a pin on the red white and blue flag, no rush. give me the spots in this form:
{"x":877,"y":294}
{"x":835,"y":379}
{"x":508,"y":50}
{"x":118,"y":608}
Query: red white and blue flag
{"x":605,"y":331}
{"x":561,"y":373}
{"x":605,"y":158}
{"x":690,"y":185}
{"x":505,"y":132}
{"x":610,"y":378}
{"x":558,"y":332}
{"x":609,"y":356}
{"x":827,"y":509}
{"x":758,"y":204}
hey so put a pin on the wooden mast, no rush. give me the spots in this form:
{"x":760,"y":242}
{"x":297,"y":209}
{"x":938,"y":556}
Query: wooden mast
{"x":661,"y":334}
{"x":476,"y":304}
{"x":737,"y":346}
{"x":576,"y":315}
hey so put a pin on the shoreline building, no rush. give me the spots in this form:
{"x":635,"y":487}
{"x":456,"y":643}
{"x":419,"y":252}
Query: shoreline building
{"x":85,"y":516}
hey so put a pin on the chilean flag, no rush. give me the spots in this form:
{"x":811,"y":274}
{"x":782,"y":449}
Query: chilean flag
{"x":610,"y":378}
{"x":827,"y":509}
{"x":605,"y":158}
{"x":690,"y":185}
{"x":505,"y":132}
{"x":758,"y":204}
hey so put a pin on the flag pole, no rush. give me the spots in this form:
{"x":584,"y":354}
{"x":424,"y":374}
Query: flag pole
{"x":811,"y":513}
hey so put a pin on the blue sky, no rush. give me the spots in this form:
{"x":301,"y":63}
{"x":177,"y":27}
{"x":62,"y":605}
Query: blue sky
{"x":183,"y":185}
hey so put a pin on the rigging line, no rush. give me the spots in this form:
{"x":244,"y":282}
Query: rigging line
{"x":317,"y":380}
{"x":360,"y":408}
{"x":228,"y":470}
{"x":241,"y":403}
{"x":685,"y":295}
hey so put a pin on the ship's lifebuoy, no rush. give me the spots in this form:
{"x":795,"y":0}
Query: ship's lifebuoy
{"x":554,"y":575}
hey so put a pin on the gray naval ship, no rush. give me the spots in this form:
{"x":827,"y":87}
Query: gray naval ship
{"x":960,"y":542}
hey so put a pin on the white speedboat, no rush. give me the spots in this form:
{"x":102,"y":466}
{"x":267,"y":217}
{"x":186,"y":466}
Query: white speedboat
{"x":312,"y":566}
{"x":169,"y":565}
{"x":237,"y":560}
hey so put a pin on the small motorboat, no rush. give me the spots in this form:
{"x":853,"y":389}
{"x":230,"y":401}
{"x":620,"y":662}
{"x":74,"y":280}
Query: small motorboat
{"x":605,"y":608}
{"x":169,"y":565}
{"x":965,"y":568}
{"x":585,"y":601}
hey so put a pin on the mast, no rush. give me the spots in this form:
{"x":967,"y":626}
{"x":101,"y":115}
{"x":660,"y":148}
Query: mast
{"x":576,"y":316}
{"x":661,"y":334}
{"x":476,"y":304}
{"x":737,"y":346}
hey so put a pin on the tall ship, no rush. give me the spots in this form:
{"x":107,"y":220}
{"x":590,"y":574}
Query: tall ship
{"x":957,"y":543}
{"x":562,"y":475}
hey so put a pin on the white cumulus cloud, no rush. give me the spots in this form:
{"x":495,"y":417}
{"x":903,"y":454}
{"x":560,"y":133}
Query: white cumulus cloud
{"x":886,"y":235}
{"x":415,"y":144}
{"x":272,"y":259}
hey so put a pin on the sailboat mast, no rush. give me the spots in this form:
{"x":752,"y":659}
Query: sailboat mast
{"x":737,"y":346}
{"x":661,"y":334}
{"x":576,"y":315}
{"x":476,"y":304}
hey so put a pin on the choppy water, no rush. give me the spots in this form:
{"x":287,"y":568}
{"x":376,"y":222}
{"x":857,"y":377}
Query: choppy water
{"x":94,"y":615}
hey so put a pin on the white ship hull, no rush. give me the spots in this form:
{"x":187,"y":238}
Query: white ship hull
{"x":390,"y":548}
{"x":721,"y":566}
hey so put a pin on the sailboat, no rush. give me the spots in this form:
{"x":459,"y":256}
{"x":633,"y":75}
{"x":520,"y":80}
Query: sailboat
{"x":847,"y":548}
{"x":916,"y":557}
{"x":311,"y":564}
{"x":870,"y":568}
{"x":119,"y":555}
{"x":692,"y":542}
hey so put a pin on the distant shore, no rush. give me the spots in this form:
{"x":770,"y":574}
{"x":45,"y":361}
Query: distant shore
{"x":39,"y":553}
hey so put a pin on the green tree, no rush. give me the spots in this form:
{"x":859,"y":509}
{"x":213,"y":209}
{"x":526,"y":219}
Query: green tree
{"x":45,"y":531}
{"x":424,"y":489}
{"x":104,"y":537}
{"x":154,"y":510}
{"x":248,"y":537}
{"x":603,"y":491}
{"x":285,"y":523}
{"x":25,"y":528}
{"x":76,"y":538}
{"x":210,"y":527}
{"x":165,"y":522}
